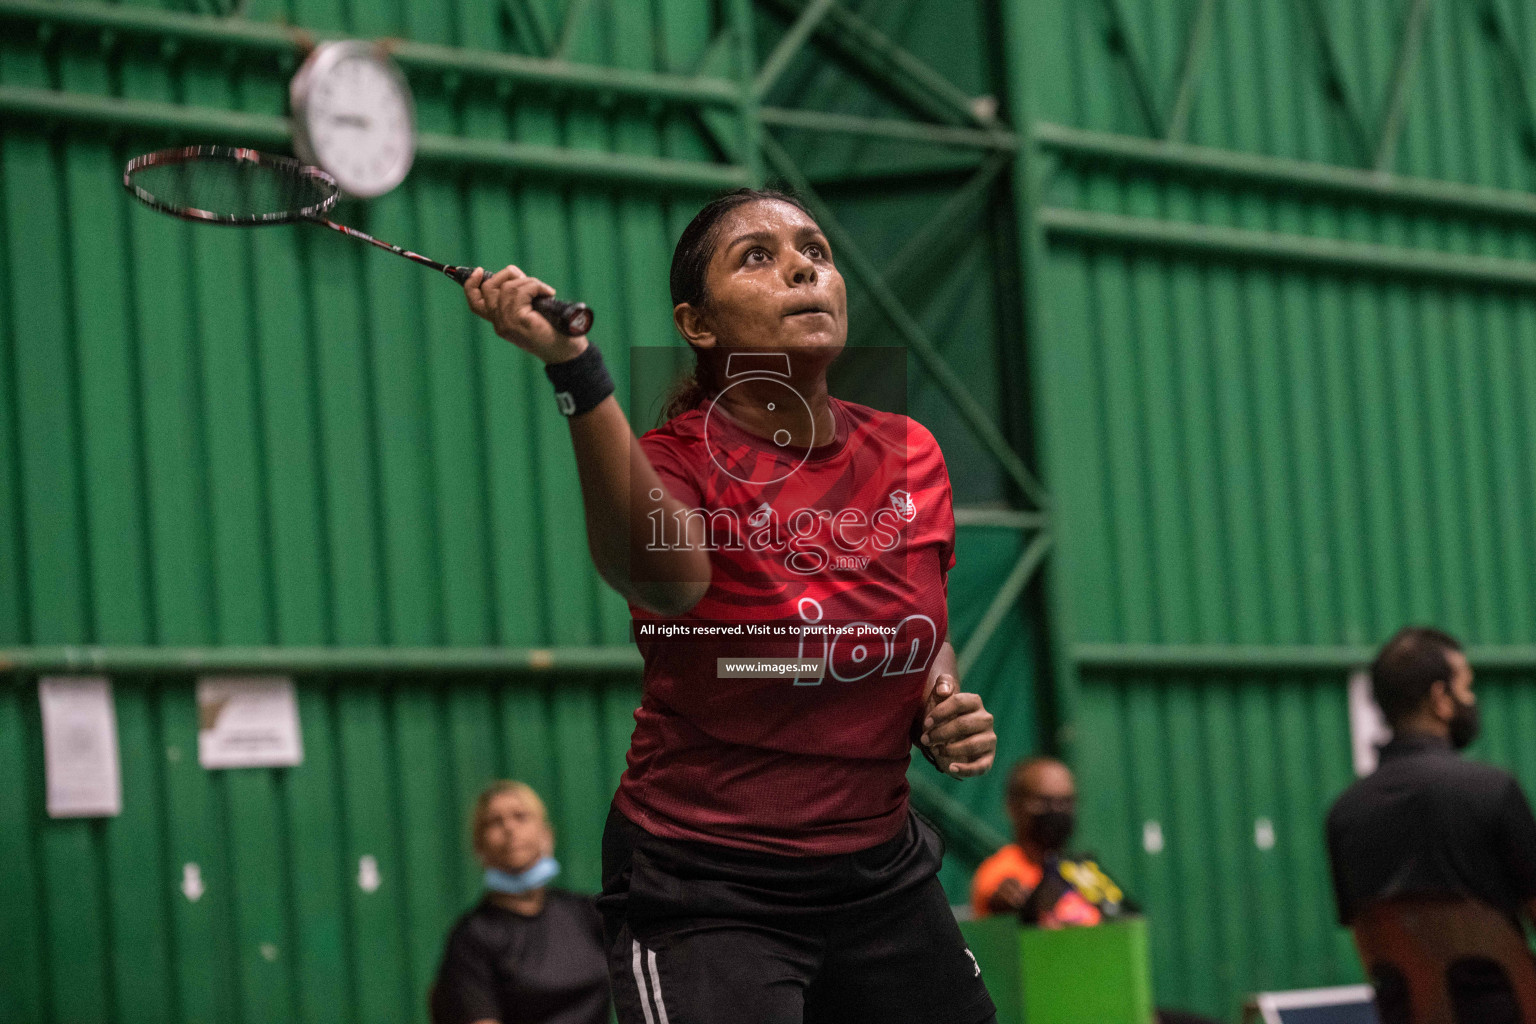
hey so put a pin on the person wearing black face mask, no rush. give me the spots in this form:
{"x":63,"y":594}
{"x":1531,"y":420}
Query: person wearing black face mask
{"x":1428,"y":823}
{"x":1035,"y":878}
{"x":1032,"y":877}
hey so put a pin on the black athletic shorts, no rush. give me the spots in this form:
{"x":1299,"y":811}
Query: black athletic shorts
{"x":705,"y":934}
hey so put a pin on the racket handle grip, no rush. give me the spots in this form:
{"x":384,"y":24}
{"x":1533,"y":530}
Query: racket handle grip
{"x":572,"y":319}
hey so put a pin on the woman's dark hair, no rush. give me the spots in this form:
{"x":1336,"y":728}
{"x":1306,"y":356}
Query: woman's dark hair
{"x":1408,"y":665}
{"x":690,"y":269}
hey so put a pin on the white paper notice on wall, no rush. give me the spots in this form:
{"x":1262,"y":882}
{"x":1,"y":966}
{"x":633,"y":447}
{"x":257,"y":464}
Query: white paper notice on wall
{"x":248,"y":722}
{"x":80,"y":765}
{"x":1367,"y":728}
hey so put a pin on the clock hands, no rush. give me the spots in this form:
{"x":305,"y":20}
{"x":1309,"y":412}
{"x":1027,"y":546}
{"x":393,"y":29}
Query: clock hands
{"x":352,"y":115}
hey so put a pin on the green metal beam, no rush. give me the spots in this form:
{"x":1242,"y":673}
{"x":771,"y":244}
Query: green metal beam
{"x":716,"y":60}
{"x":889,"y":128}
{"x":888,"y":65}
{"x":528,"y":18}
{"x":1403,"y":72}
{"x":1038,"y":76}
{"x":50,"y":108}
{"x":1207,"y":241}
{"x":176,"y":26}
{"x":579,"y":164}
{"x":955,"y":389}
{"x":575,"y":13}
{"x":1123,"y":41}
{"x":561,"y":75}
{"x":943,"y":164}
{"x":1213,"y":658}
{"x":281,"y":40}
{"x":262,"y":129}
{"x":306,"y":660}
{"x":1517,"y":82}
{"x":750,"y":125}
{"x":925,"y":246}
{"x":1315,"y":17}
{"x":999,"y":518}
{"x":727,"y":129}
{"x":1196,"y":45}
{"x":1209,"y":658}
{"x":953,"y":216}
{"x":1281,"y":174}
{"x":791,"y":44}
{"x":1003,"y":602}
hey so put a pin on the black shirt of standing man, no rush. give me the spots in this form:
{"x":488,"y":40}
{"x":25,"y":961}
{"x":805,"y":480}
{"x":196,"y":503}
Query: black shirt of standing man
{"x":1427,"y":823}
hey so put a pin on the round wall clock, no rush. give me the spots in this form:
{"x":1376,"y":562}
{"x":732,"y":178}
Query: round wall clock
{"x":353,"y":117}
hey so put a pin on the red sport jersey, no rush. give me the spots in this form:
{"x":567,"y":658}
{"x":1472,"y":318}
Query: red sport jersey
{"x":837,"y":554}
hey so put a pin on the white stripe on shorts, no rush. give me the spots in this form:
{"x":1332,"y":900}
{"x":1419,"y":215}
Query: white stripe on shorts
{"x":661,"y":1007}
{"x":645,"y":1002}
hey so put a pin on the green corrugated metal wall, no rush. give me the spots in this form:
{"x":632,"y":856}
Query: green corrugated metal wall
{"x":953,"y":263}
{"x":279,"y":440}
{"x":1283,"y":408}
{"x":97,"y":927}
{"x":1267,"y":452}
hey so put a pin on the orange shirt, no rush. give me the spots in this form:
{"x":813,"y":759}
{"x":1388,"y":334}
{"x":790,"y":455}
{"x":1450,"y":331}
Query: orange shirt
{"x":1009,"y":862}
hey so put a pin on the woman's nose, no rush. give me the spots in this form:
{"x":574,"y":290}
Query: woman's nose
{"x":801,"y":270}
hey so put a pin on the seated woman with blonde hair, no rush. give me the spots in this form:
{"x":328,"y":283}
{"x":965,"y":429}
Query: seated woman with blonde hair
{"x":527,"y":953}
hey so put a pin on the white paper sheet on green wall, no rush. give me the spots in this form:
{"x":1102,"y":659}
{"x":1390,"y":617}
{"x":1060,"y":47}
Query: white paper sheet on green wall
{"x":247,"y":722}
{"x":80,"y":762}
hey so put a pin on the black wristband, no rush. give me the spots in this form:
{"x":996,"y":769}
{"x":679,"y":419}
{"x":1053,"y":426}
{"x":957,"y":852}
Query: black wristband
{"x":580,"y":383}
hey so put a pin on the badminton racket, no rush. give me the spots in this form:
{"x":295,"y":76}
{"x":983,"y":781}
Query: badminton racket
{"x":244,"y":187}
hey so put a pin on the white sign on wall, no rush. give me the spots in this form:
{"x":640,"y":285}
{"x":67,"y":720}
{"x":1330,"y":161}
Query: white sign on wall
{"x":1367,"y":728}
{"x":80,"y":763}
{"x":248,"y":722}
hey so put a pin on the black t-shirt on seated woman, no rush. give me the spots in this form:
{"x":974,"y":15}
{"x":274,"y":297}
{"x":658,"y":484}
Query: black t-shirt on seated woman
{"x":549,"y":968}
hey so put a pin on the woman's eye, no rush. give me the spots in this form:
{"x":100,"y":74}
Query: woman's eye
{"x":757,"y":255}
{"x":815,"y":252}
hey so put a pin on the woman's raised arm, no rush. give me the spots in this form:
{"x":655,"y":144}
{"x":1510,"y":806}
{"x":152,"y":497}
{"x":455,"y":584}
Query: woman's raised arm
{"x":619,"y":486}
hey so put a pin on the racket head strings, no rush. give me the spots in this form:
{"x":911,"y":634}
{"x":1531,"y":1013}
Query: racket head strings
{"x":230,"y":185}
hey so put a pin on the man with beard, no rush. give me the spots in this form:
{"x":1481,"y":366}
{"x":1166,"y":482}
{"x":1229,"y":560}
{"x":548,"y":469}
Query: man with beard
{"x":1427,"y":823}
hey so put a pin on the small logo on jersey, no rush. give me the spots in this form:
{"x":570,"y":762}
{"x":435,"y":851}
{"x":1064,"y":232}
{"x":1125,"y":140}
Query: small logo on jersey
{"x":974,"y":963}
{"x":761,"y":516}
{"x":902,"y":502}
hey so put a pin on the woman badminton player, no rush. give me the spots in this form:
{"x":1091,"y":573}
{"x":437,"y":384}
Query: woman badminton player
{"x":785,"y":557}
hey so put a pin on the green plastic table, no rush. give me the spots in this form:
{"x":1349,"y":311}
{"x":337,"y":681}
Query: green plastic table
{"x":1098,"y":975}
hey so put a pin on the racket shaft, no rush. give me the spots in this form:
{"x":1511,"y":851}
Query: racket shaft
{"x":361,"y":236}
{"x":569,"y":318}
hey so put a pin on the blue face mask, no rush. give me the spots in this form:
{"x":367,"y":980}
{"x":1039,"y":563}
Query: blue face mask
{"x":544,"y":869}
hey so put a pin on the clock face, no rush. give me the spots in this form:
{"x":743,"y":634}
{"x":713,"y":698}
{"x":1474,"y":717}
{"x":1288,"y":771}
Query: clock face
{"x":354,"y":117}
